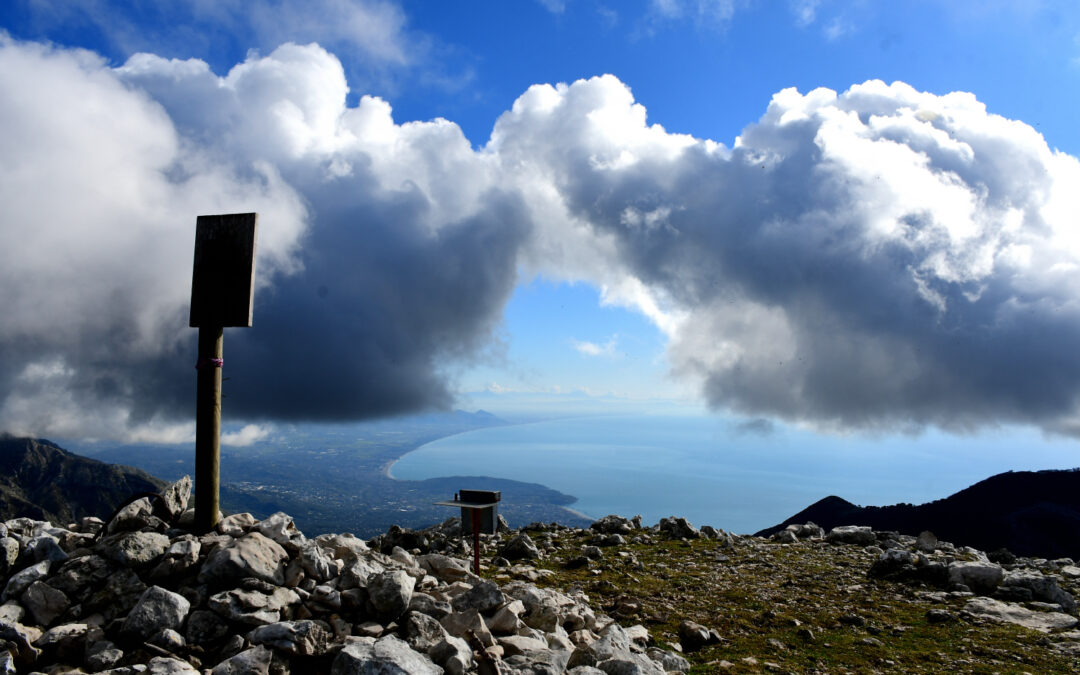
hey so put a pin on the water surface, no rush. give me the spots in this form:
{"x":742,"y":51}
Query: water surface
{"x":704,"y":469}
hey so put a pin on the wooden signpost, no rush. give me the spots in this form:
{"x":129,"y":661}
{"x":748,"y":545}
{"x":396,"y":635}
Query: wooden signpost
{"x":222,"y":288}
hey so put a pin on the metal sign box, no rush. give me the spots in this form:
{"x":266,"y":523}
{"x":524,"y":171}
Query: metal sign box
{"x":483,"y":503}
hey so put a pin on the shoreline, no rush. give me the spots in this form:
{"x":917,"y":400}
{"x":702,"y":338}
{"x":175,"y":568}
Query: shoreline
{"x":388,"y":466}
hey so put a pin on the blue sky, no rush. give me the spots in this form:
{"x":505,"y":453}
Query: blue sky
{"x":881,"y":257}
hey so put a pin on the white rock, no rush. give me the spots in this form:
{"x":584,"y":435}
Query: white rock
{"x":1011,"y":613}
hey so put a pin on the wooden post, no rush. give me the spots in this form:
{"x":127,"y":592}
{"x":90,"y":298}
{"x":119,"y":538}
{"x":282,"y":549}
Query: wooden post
{"x":208,"y":428}
{"x":222,"y":289}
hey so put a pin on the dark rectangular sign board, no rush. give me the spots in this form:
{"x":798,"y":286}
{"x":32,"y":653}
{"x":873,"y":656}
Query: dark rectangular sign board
{"x":222,"y":282}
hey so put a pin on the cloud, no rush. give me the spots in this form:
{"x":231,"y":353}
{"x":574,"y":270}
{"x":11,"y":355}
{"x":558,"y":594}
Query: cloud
{"x":373,"y":30}
{"x":554,"y":6}
{"x":385,"y":250}
{"x":698,"y":11}
{"x":586,"y":348}
{"x":245,"y":436}
{"x":805,"y":11}
{"x":877,"y":258}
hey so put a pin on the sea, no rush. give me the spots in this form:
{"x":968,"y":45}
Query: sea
{"x":741,"y":478}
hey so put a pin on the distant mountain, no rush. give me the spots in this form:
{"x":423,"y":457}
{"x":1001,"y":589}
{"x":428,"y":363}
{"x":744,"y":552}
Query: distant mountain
{"x":40,"y":480}
{"x":1032,"y":513}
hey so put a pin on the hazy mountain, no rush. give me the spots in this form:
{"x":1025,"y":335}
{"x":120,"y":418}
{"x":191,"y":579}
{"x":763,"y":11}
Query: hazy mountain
{"x":40,"y":480}
{"x":1033,"y":513}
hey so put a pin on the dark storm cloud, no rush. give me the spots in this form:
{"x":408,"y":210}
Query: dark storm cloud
{"x":880,"y":258}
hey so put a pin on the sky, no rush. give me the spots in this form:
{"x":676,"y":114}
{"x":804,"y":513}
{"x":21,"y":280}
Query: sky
{"x":851,"y":217}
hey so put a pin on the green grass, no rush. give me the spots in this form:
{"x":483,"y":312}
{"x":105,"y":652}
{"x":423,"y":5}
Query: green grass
{"x":765,"y":598}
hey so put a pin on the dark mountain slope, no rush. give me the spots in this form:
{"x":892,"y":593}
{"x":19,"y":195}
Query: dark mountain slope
{"x":1033,"y":513}
{"x":40,"y":480}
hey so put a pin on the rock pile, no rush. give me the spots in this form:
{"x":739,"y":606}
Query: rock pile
{"x":144,"y":594}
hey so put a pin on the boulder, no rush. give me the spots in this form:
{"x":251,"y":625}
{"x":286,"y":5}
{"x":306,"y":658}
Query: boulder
{"x":236,"y":525}
{"x":178,"y":559}
{"x":980,"y":577}
{"x":926,"y":542}
{"x":389,"y":593}
{"x":422,"y":632}
{"x":44,"y":602}
{"x":453,"y":655}
{"x":253,"y":607}
{"x":254,"y":661}
{"x":520,"y":547}
{"x":612,"y":525}
{"x":694,"y":636}
{"x":133,"y":549}
{"x":9,"y":553}
{"x":252,"y":555}
{"x":388,"y":655}
{"x":20,"y":581}
{"x":279,"y":527}
{"x":303,"y":638}
{"x":1008,"y":612}
{"x":173,"y":500}
{"x":1042,"y":587}
{"x":156,"y":609}
{"x":444,"y":568}
{"x":859,"y":535}
{"x":460,"y":624}
{"x":678,"y":528}
{"x":483,"y":597}
{"x":163,"y":665}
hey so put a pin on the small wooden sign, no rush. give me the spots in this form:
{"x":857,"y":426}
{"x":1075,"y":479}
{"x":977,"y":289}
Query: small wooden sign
{"x":222,"y":281}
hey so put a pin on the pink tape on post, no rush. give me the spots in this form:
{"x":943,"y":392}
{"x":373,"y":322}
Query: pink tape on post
{"x":209,"y":363}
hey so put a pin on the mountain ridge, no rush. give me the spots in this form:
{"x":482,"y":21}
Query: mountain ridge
{"x":1026,"y":512}
{"x":41,"y":480}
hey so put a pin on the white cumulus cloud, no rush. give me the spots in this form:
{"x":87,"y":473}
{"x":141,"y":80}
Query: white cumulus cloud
{"x":878,"y":257}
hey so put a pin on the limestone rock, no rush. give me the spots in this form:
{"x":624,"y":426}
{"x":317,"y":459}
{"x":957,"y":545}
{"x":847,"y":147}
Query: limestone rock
{"x":279,"y":527}
{"x":520,"y":547}
{"x":980,"y":577}
{"x":422,"y":632}
{"x":926,"y":542}
{"x":860,"y":535}
{"x":1010,"y":613}
{"x":178,"y":559}
{"x":453,"y":655}
{"x":253,"y":555}
{"x":156,"y":609}
{"x":44,"y":602}
{"x":612,"y":525}
{"x":390,"y":592}
{"x":459,"y":624}
{"x":678,"y":528}
{"x":305,"y":638}
{"x":133,"y":549}
{"x":102,"y":655}
{"x":386,"y":656}
{"x":205,"y":628}
{"x":444,"y":568}
{"x":1042,"y":587}
{"x":694,"y":636}
{"x":236,"y":524}
{"x":254,"y":661}
{"x":174,"y":499}
{"x":20,"y":581}
{"x":163,"y":665}
{"x":670,"y":661}
{"x":133,"y":517}
{"x":252,"y":607}
{"x":9,"y":553}
{"x":483,"y":597}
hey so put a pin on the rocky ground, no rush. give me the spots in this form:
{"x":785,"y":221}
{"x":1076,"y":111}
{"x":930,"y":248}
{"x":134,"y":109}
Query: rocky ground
{"x":142,"y":593}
